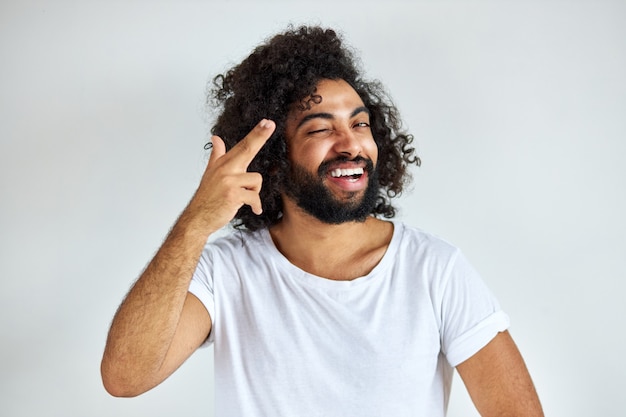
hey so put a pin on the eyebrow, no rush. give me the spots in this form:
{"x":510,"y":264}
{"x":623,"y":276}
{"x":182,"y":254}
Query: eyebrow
{"x":329,"y":116}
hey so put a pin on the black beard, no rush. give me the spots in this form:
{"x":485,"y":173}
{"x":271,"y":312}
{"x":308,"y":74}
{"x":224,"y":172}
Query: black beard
{"x":311,"y":195}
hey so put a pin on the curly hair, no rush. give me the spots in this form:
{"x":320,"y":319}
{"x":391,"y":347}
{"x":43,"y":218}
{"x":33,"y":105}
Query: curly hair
{"x":283,"y":72}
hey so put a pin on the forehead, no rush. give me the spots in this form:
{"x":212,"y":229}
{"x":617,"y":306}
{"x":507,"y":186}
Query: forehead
{"x":330,"y":96}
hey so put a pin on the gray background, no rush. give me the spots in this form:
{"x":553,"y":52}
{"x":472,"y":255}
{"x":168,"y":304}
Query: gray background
{"x":519,"y":113}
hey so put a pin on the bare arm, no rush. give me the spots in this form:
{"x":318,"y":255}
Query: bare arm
{"x":498,"y":381}
{"x":160,"y":324}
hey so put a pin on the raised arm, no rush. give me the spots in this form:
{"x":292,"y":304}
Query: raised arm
{"x":160,"y":324}
{"x":498,"y":381}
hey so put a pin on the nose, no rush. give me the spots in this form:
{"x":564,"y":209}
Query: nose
{"x":347,"y":143}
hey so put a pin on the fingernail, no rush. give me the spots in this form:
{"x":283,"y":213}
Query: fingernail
{"x":263,"y":123}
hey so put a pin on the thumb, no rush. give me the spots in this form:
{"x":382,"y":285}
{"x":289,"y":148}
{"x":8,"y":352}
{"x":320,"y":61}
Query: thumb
{"x":218,"y":148}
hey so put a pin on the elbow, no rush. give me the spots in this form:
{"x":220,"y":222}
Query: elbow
{"x":117,"y":383}
{"x":118,"y":390}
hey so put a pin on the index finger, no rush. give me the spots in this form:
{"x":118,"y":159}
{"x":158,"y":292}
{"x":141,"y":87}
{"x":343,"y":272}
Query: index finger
{"x":246,"y":149}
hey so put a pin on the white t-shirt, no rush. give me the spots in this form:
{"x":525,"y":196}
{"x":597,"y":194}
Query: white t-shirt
{"x":289,"y":343}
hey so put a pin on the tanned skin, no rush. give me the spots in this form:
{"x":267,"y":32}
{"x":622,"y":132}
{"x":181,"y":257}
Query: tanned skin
{"x":159,"y":324}
{"x":498,"y":381}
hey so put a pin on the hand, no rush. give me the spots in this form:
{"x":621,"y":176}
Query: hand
{"x":226,"y":185}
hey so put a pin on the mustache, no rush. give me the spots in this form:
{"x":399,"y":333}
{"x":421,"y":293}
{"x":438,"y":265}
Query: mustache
{"x":326,"y":165}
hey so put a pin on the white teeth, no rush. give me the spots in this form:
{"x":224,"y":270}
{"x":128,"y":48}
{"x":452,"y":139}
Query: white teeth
{"x":346,"y":172}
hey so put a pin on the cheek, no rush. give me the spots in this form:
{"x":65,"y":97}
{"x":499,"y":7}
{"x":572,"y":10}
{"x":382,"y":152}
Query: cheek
{"x":310,"y":155}
{"x":372,"y":151}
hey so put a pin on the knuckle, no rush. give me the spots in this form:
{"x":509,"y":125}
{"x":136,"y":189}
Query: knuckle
{"x":257,"y":177}
{"x":231,"y":195}
{"x":226,"y":183}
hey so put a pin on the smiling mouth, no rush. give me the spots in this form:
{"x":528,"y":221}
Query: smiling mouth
{"x":351,"y":174}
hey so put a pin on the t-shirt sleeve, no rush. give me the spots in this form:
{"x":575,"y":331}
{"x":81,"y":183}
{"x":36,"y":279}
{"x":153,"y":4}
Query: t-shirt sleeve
{"x":470,"y":315}
{"x":202,"y":286}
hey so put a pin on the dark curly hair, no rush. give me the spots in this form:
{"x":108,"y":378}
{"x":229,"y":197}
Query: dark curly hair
{"x":283,"y":72}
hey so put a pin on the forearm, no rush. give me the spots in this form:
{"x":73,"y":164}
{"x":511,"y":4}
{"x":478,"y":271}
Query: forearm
{"x":158,"y":326}
{"x":498,"y":381}
{"x":145,"y":324}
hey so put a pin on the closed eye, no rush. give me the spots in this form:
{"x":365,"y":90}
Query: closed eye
{"x":318,"y":131}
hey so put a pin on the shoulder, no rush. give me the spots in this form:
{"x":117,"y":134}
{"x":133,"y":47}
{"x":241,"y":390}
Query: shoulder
{"x":424,"y":255}
{"x":233,"y":240}
{"x":418,"y":241}
{"x":234,"y":245}
{"x":233,"y":252}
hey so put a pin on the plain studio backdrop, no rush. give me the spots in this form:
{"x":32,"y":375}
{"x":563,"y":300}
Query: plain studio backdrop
{"x":519,"y":115}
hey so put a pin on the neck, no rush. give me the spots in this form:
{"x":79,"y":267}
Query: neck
{"x":335,"y":251}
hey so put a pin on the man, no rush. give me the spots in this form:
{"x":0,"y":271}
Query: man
{"x":316,"y":307}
